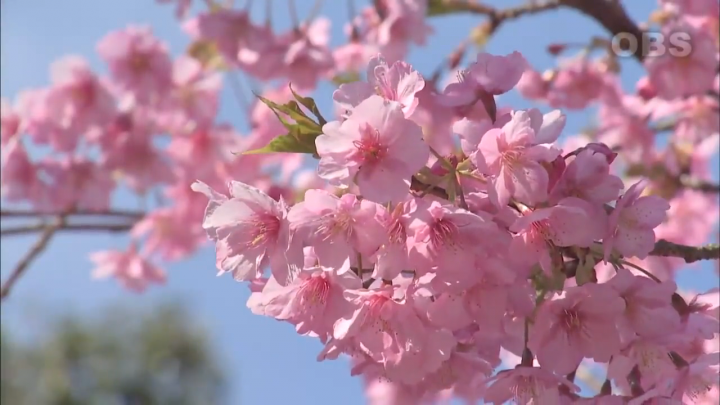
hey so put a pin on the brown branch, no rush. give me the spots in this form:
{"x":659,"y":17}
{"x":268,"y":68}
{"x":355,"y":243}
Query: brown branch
{"x":612,"y":16}
{"x":33,"y":253}
{"x":22,"y":230}
{"x":24,"y":213}
{"x":608,"y":13}
{"x":689,"y":253}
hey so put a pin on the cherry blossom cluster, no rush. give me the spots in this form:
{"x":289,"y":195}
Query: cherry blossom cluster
{"x":425,"y":291}
{"x":449,"y":245}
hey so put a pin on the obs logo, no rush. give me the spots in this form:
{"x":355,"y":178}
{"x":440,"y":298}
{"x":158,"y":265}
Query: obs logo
{"x":652,"y":44}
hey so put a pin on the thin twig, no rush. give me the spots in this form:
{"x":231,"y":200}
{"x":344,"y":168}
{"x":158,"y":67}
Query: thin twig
{"x":33,"y":253}
{"x":22,"y":230}
{"x":690,"y":254}
{"x":25,"y":213}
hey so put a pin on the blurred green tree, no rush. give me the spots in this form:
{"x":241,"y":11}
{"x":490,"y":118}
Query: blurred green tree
{"x":123,"y":358}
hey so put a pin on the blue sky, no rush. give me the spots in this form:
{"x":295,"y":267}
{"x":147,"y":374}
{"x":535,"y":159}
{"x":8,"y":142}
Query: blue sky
{"x":267,"y":362}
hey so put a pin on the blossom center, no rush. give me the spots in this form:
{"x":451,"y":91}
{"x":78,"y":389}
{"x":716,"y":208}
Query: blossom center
{"x":265,"y":229}
{"x":335,"y":225}
{"x":139,"y":62}
{"x":314,"y":291}
{"x":443,"y":232}
{"x":571,"y":320}
{"x":369,"y":148}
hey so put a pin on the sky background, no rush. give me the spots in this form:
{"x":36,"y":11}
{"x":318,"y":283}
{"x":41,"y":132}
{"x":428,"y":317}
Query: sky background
{"x":267,"y":363}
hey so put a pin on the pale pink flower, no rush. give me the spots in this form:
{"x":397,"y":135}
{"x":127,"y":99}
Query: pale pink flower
{"x":652,"y":358}
{"x":251,"y":231}
{"x":588,"y":177}
{"x":447,"y":240}
{"x":138,"y":162}
{"x":697,"y":379}
{"x":200,"y":150}
{"x":19,"y":176}
{"x":691,"y":73}
{"x":514,"y":154}
{"x":404,"y":23}
{"x":166,"y":234}
{"x":229,"y":29}
{"x":571,"y":222}
{"x":306,"y":56}
{"x":194,"y":99}
{"x":526,"y":385}
{"x":397,"y":82}
{"x":352,"y":57}
{"x":392,"y":257}
{"x":532,"y":85}
{"x":77,"y":183}
{"x":648,"y":309}
{"x":393,"y":334}
{"x":377,"y":147}
{"x":313,"y":301}
{"x":78,"y":100}
{"x":577,"y":83}
{"x":132,"y":270}
{"x":577,"y":323}
{"x":338,"y":228}
{"x":625,"y":121}
{"x":139,"y":62}
{"x":10,"y":121}
{"x":630,"y":226}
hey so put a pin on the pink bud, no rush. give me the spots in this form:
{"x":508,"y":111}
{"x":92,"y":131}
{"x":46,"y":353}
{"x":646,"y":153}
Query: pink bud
{"x":604,"y":149}
{"x":645,"y":88}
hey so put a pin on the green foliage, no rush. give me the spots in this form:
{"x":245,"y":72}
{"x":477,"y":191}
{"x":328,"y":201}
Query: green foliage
{"x":302,"y":130}
{"x":161,"y":358}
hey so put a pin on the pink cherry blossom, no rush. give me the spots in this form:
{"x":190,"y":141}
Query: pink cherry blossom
{"x":587,"y":176}
{"x":630,"y":230}
{"x":129,"y":267}
{"x":397,"y":82}
{"x":696,"y":66}
{"x":393,"y":333}
{"x":577,"y":323}
{"x":251,"y":231}
{"x":313,"y":301}
{"x":377,"y":147}
{"x":514,"y":154}
{"x":526,"y":385}
{"x":139,"y":63}
{"x":337,"y":228}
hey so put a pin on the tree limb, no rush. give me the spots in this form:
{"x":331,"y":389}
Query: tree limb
{"x":21,"y":230}
{"x":690,"y":254}
{"x":24,"y":213}
{"x":33,"y":253}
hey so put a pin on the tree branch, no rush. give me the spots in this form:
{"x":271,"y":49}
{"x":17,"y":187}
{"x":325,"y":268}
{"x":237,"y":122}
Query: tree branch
{"x":21,"y":230}
{"x":33,"y":253}
{"x":612,"y":16}
{"x":24,"y":213}
{"x":689,"y":253}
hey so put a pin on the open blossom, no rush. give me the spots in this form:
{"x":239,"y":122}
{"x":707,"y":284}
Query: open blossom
{"x":576,"y":84}
{"x":77,"y":183}
{"x":630,"y":229}
{"x":337,"y":228}
{"x":139,"y":63}
{"x":250,"y":229}
{"x":577,"y":323}
{"x":397,"y":82}
{"x":572,"y":222}
{"x":694,"y":71}
{"x":526,"y":385}
{"x":130,"y":268}
{"x":514,"y":153}
{"x":313,"y":301}
{"x":648,"y":309}
{"x":306,"y":56}
{"x":587,"y":176}
{"x":377,"y":147}
{"x":393,"y":334}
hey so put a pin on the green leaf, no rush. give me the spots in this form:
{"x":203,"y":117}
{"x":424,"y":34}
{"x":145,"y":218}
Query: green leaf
{"x":438,"y":7}
{"x":310,"y":104}
{"x":291,"y":109}
{"x":285,"y":144}
{"x":344,"y":78}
